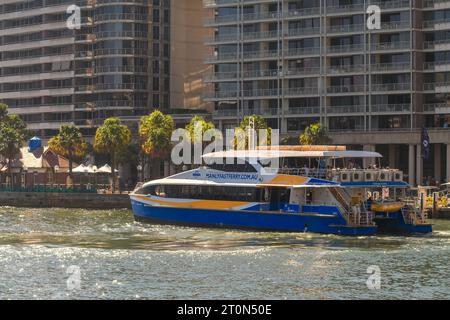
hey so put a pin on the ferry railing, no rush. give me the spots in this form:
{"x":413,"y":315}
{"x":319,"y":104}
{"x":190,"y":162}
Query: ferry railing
{"x":304,"y":172}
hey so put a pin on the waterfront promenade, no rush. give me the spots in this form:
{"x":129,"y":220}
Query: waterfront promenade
{"x":95,"y":201}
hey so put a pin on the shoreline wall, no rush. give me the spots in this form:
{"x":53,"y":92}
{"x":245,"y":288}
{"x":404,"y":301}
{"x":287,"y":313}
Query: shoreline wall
{"x":64,"y":200}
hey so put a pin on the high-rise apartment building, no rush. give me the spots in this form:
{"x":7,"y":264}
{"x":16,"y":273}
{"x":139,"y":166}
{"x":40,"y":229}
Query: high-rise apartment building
{"x":118,"y":63}
{"x":303,"y":61}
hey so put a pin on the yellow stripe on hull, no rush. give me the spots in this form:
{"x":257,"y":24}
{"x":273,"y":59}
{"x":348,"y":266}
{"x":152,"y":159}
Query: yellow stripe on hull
{"x":195,"y":204}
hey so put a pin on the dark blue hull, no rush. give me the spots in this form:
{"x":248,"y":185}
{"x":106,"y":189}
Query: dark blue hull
{"x":249,"y":220}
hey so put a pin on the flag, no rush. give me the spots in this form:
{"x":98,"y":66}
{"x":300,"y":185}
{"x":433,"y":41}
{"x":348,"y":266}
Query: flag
{"x":425,"y":144}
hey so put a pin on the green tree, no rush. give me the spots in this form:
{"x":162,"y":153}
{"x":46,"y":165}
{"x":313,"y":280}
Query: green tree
{"x":155,"y":131}
{"x":3,"y":111}
{"x":197,"y":128}
{"x":69,"y":143}
{"x":112,"y":138}
{"x":257,"y":123}
{"x":13,"y":133}
{"x":315,"y":134}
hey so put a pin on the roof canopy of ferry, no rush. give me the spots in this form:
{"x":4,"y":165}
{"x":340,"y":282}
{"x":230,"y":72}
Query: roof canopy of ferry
{"x":274,"y":154}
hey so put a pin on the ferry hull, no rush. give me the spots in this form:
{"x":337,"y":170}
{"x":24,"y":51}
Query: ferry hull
{"x":393,"y":223}
{"x":261,"y":221}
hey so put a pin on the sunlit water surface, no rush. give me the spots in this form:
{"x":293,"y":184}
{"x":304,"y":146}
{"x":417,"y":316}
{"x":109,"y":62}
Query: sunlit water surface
{"x":41,"y":251}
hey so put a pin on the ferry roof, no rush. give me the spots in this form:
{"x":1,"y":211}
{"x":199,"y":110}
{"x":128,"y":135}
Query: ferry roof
{"x":280,"y":181}
{"x":273,"y":154}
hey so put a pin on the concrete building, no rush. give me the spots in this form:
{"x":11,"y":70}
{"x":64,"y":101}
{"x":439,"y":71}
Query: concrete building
{"x":301,"y":61}
{"x":117,"y":64}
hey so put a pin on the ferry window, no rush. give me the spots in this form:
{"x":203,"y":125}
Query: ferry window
{"x":223,"y":193}
{"x":146,"y":190}
{"x":239,"y":167}
{"x":160,"y":191}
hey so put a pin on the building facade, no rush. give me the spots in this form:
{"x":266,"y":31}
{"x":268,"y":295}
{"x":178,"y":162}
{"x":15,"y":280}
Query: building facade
{"x":304,"y":61}
{"x":116,"y":64}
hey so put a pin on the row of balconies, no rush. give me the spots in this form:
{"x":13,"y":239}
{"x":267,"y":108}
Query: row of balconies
{"x":316,"y":110}
{"x":307,"y":91}
{"x":308,"y":51}
{"x":393,"y":4}
{"x":309,"y":71}
{"x":302,"y":32}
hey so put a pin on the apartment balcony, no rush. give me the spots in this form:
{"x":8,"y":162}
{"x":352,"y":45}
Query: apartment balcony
{"x":264,"y":112}
{"x":302,"y":13}
{"x":341,"y":110}
{"x":221,"y":76}
{"x":443,"y":44}
{"x":390,"y":108}
{"x":219,"y":3}
{"x":246,"y":18}
{"x":345,"y":9}
{"x":84,"y":55}
{"x":394,"y":4}
{"x":302,"y":32}
{"x":390,"y":67}
{"x":441,"y":24}
{"x":260,"y":93}
{"x":121,"y":52}
{"x":389,"y":46}
{"x":132,"y":17}
{"x":234,"y":76}
{"x":353,"y":48}
{"x":437,"y":66}
{"x":298,"y":52}
{"x":310,"y":71}
{"x":393,"y":25}
{"x":437,"y":87}
{"x":301,"y":91}
{"x":391,"y":87}
{"x":85,"y":72}
{"x":335,"y":70}
{"x":261,"y":35}
{"x":346,"y":89}
{"x":436,"y":108}
{"x":221,"y":95}
{"x":436,"y":4}
{"x":119,"y":69}
{"x":121,"y":34}
{"x":347,"y":28}
{"x":304,"y":111}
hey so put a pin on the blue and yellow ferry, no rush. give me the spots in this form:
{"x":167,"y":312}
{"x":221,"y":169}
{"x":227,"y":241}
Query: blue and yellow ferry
{"x":305,"y":192}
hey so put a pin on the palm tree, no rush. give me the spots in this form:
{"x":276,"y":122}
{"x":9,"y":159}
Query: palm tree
{"x":254,"y":122}
{"x":69,"y":143}
{"x":315,"y":134}
{"x":13,"y":133}
{"x":112,"y":138}
{"x":155,"y":131}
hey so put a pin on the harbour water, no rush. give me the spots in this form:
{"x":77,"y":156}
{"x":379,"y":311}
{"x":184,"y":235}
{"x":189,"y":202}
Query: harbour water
{"x":79,"y":254}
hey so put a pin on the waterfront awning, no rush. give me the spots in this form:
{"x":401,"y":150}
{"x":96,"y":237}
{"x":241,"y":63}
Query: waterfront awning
{"x":81,"y":169}
{"x":105,"y":169}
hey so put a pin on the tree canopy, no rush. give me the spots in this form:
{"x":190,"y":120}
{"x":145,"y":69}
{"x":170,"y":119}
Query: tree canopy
{"x":13,"y":133}
{"x":69,"y":143}
{"x":197,"y":128}
{"x":112,"y":138}
{"x":315,"y":134}
{"x":257,"y":123}
{"x":155,"y":131}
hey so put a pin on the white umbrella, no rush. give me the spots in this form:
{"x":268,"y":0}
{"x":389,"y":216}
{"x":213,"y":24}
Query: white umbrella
{"x":105,"y":169}
{"x":80,"y":169}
